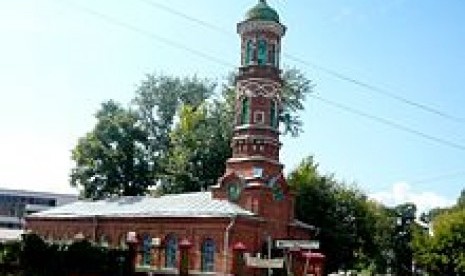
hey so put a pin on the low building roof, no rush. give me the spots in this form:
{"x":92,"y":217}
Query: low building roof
{"x":10,"y":234}
{"x":200,"y":204}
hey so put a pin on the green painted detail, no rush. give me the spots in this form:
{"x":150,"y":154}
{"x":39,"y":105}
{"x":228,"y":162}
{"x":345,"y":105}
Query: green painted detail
{"x":234,"y":191}
{"x":262,"y":52}
{"x":273,"y":115}
{"x":245,"y":114}
{"x":262,"y":12}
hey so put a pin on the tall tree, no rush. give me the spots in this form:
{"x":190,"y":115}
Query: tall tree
{"x":157,"y":102}
{"x":112,"y":158}
{"x":352,"y":228}
{"x":440,"y":249}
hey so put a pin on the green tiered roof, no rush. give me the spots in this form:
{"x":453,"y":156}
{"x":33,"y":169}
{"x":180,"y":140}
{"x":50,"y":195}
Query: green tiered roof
{"x":262,"y":12}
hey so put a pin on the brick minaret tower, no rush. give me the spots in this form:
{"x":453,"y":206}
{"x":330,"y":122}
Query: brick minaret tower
{"x":253,"y":177}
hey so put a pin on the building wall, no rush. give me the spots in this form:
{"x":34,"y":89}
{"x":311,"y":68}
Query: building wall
{"x":251,"y":232}
{"x":16,"y":204}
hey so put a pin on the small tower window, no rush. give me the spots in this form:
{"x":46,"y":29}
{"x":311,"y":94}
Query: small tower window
{"x":245,"y":114}
{"x":272,"y":54}
{"x":276,"y":55}
{"x":273,"y":115}
{"x":262,"y":52}
{"x":248,"y":52}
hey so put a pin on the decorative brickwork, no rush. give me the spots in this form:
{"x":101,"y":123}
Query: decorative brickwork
{"x":253,"y":178}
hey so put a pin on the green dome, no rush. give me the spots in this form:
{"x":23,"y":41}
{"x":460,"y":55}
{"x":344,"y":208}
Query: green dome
{"x":262,"y":12}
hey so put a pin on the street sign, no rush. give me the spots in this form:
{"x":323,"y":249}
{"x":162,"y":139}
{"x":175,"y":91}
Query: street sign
{"x":302,"y":244}
{"x":264,"y":263}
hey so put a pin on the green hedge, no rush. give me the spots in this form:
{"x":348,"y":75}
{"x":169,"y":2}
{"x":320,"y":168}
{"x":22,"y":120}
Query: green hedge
{"x":34,"y":257}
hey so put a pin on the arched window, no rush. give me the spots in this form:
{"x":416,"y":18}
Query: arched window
{"x":273,"y":114}
{"x":245,"y":114}
{"x":171,"y":247}
{"x":248,"y":52}
{"x":262,"y":52}
{"x":146,"y":250}
{"x":208,"y":256}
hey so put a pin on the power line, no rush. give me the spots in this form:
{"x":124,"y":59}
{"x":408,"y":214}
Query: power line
{"x":376,"y":89}
{"x":178,"y":45}
{"x":439,"y":177}
{"x":389,"y":123}
{"x":328,"y":71}
{"x":169,"y":42}
{"x":436,"y":178}
{"x":186,"y":16}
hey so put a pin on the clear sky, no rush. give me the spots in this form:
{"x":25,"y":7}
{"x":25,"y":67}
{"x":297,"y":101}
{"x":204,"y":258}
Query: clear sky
{"x":59,"y":59}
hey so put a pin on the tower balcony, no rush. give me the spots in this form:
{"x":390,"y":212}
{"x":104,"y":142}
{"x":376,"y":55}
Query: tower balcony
{"x":259,"y":71}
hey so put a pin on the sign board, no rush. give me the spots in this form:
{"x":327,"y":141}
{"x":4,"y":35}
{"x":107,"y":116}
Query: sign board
{"x":302,"y":244}
{"x":264,"y":263}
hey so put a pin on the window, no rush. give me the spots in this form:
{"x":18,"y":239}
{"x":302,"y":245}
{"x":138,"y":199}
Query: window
{"x":245,"y":114}
{"x":171,"y":246}
{"x":273,"y":115}
{"x":248,"y":52}
{"x":257,"y":172}
{"x":208,"y":256}
{"x":262,"y":52}
{"x":146,"y":250}
{"x":272,"y":54}
{"x":259,"y":117}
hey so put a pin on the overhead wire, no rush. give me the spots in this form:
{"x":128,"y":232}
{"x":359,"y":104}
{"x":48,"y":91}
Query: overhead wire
{"x":117,"y":22}
{"x":367,"y":86}
{"x":164,"y":40}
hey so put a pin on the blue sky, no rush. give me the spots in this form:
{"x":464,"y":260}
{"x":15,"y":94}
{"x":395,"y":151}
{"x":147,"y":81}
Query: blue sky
{"x":59,"y":59}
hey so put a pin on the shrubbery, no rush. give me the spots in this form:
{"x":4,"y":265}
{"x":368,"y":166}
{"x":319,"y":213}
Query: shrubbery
{"x":34,"y":257}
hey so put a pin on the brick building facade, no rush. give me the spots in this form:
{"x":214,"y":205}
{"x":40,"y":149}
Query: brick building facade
{"x":251,"y":204}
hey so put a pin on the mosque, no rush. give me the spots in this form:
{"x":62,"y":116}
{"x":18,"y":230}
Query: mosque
{"x":251,"y":205}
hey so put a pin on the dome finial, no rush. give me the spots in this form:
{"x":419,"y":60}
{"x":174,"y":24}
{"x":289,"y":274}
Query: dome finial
{"x":262,"y":12}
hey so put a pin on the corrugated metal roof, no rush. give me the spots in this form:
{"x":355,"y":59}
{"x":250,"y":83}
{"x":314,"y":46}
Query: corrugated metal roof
{"x":199,"y":204}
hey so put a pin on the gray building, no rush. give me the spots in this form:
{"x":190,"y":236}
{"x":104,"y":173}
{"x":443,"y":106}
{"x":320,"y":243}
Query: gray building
{"x":16,"y":204}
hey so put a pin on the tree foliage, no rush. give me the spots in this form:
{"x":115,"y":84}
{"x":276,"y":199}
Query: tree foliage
{"x":441,"y":250}
{"x":353,"y":230}
{"x":112,"y":159}
{"x":176,"y":136}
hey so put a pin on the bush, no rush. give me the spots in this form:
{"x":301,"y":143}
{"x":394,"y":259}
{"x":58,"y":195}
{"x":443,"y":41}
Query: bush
{"x":37,"y":258}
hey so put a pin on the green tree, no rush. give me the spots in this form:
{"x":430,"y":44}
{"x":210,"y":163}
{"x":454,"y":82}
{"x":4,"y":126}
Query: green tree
{"x":352,"y":228}
{"x":296,"y":87}
{"x":405,"y":215}
{"x":157,"y":102}
{"x":441,"y":250}
{"x":200,"y":145}
{"x":112,"y":159}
